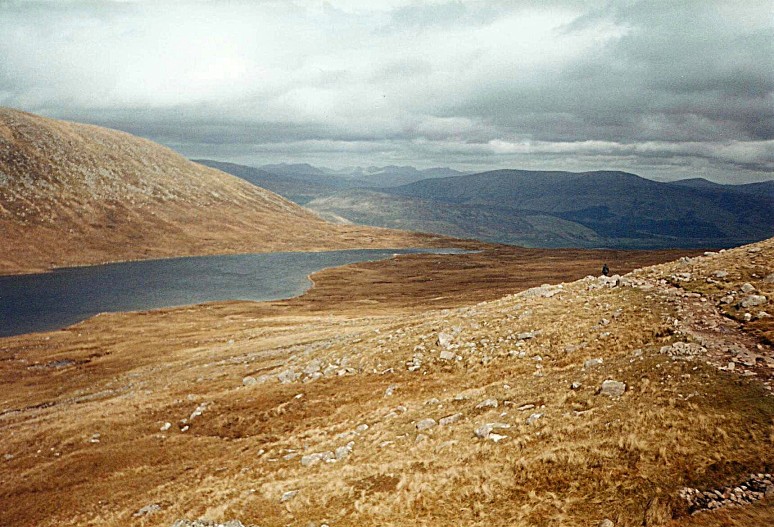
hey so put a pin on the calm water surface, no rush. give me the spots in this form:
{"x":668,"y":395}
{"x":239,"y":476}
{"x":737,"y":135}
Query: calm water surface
{"x":53,"y":300}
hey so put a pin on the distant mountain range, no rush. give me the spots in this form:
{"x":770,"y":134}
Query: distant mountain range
{"x":538,"y":208}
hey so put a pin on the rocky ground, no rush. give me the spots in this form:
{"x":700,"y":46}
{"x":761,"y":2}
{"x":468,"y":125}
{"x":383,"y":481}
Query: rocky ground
{"x":623,"y":400}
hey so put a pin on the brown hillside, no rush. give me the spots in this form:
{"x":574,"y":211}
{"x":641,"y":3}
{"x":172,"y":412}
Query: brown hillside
{"x":73,"y":194}
{"x":364,"y":407}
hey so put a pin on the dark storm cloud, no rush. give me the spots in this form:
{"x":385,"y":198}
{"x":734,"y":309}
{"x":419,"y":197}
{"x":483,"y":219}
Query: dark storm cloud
{"x":665,"y":89}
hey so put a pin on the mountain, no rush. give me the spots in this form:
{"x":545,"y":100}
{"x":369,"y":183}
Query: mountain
{"x":373,"y":176}
{"x":763,"y":188}
{"x":74,"y":194}
{"x":615,"y":209}
{"x":393,"y":176}
{"x":484,"y":222}
{"x":298,"y":190}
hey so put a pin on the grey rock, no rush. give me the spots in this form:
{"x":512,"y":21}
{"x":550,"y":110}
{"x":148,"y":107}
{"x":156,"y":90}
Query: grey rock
{"x":426,"y":424}
{"x":450,"y":419}
{"x":289,"y":495}
{"x":445,"y":340}
{"x":488,"y":403}
{"x":748,"y":288}
{"x":532,"y":419}
{"x":148,"y":509}
{"x":606,"y":523}
{"x":447,"y":355}
{"x":754,"y":300}
{"x":612,"y":388}
{"x":592,"y":363}
{"x":249,"y":381}
{"x":288,"y":376}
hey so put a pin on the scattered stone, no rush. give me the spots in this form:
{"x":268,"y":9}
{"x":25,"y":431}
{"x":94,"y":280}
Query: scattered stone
{"x":576,"y":385}
{"x":532,"y":419}
{"x":445,"y":339}
{"x":433,"y":401}
{"x":496,"y":437}
{"x":249,"y":381}
{"x":390,"y":390}
{"x":525,"y":407}
{"x":289,"y":495}
{"x":344,"y":451}
{"x":527,"y":335}
{"x":747,"y":288}
{"x":754,"y":300}
{"x":165,"y":427}
{"x":312,"y":459}
{"x":488,"y":403}
{"x":612,"y":388}
{"x":483,"y":431}
{"x":426,"y":424}
{"x":288,"y":376}
{"x":755,"y":488}
{"x":148,"y":509}
{"x":450,"y":419}
{"x":606,"y":523}
{"x":720,"y":274}
{"x":592,"y":363}
{"x":208,"y":523}
{"x":447,"y":355}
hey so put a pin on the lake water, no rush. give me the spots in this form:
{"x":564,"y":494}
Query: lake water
{"x":42,"y":302}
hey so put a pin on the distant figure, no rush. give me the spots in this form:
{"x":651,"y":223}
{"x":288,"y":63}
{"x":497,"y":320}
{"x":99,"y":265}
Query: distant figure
{"x":605,"y":270}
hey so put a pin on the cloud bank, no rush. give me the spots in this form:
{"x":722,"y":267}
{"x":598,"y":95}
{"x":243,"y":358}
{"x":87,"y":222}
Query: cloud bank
{"x":664,"y":89}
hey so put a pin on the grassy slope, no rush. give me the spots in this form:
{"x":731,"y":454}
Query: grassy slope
{"x":680,"y":422}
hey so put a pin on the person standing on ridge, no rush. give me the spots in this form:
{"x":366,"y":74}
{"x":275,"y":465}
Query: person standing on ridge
{"x":605,"y":270}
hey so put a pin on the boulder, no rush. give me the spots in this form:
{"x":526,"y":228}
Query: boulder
{"x":612,"y":388}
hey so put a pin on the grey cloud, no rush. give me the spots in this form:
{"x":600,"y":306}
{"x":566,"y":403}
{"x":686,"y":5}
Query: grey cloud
{"x":643,"y":86}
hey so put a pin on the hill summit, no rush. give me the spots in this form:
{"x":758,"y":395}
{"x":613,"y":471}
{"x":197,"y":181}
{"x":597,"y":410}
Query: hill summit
{"x":73,"y":194}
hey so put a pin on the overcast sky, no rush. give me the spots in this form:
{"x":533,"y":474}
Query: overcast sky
{"x":666,"y":89}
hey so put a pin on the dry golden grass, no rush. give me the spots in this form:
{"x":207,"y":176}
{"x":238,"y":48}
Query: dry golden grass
{"x":589,"y":457}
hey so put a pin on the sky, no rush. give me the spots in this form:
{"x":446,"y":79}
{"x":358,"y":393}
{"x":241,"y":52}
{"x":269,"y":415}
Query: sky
{"x":664,"y":89}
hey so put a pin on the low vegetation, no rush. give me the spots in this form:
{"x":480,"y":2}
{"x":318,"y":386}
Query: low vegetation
{"x":568,"y":404}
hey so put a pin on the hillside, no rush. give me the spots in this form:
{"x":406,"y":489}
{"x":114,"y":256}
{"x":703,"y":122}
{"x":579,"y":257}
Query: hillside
{"x":484,"y":222}
{"x":763,"y":188}
{"x":613,"y":209}
{"x":297,"y":190}
{"x":73,"y":194}
{"x":624,"y":401}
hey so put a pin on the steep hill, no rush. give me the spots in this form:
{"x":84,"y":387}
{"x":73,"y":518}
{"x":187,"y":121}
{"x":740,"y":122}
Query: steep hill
{"x":621,"y":209}
{"x":74,"y":194}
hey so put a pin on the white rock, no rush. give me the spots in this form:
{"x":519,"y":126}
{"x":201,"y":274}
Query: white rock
{"x":447,"y":355}
{"x":445,"y":340}
{"x":532,"y":419}
{"x":165,"y":427}
{"x":390,"y":390}
{"x":496,"y":437}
